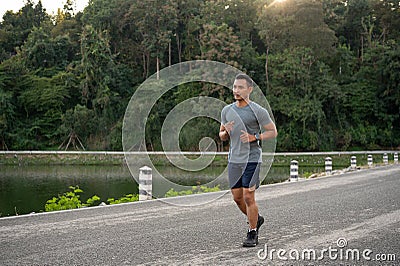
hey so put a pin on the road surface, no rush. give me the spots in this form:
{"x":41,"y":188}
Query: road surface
{"x":348,"y":219}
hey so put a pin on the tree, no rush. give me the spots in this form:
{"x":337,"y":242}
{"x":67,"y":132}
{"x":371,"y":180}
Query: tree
{"x":293,"y":24}
{"x":43,"y":51}
{"x":15,"y":27}
{"x":155,"y":21}
{"x":273,"y":25}
{"x":375,"y":94}
{"x":330,"y":68}
{"x":299,"y":95}
{"x":187,"y":29}
{"x":43,"y":100}
{"x":387,"y":15}
{"x":78,"y":124}
{"x":218,"y":43}
{"x":7,"y":115}
{"x":352,"y":28}
{"x":310,"y":29}
{"x":97,"y":61}
{"x":240,"y":15}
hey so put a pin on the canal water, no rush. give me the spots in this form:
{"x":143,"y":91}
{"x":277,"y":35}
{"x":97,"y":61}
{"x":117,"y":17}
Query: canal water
{"x":25,"y":189}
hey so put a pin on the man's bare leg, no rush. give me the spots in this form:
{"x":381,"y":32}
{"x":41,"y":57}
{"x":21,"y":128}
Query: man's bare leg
{"x":245,"y":200}
{"x":251,"y":206}
{"x":237,"y":194}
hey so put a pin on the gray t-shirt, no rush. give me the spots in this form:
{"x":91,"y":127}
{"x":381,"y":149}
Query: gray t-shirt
{"x":251,"y":119}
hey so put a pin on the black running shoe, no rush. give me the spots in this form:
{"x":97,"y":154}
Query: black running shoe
{"x":260,"y":222}
{"x":251,"y":240}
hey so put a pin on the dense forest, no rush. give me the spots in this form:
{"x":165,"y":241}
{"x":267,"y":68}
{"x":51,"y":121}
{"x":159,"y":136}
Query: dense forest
{"x":330,"y":69}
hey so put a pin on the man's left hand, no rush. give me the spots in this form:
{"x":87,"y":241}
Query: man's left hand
{"x":246,"y":137}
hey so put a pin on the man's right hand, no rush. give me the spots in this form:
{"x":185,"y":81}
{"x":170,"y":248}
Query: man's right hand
{"x":229,"y":126}
{"x":225,"y":130}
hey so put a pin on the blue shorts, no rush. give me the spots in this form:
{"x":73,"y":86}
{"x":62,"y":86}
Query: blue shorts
{"x":244,"y":175}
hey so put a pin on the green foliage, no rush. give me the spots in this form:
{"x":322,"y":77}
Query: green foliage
{"x":219,"y":43}
{"x":97,"y":61}
{"x":296,"y":24}
{"x":194,"y":190}
{"x":41,"y":50}
{"x":124,"y":199}
{"x":307,"y":174}
{"x":69,"y":200}
{"x":152,"y":24}
{"x":330,"y":69}
{"x":299,"y":78}
{"x":80,"y":121}
{"x":7,"y":113}
{"x":16,"y":27}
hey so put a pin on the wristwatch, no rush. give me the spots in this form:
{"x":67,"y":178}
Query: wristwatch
{"x":257,"y":136}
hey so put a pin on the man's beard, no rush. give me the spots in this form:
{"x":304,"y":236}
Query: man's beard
{"x":239,"y":98}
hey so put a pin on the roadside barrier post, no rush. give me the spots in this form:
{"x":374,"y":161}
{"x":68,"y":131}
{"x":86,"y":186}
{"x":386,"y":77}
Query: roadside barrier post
{"x":328,"y":165}
{"x":370,"y":160}
{"x":353,"y":162}
{"x":145,"y":183}
{"x":294,"y":170}
{"x":396,"y":158}
{"x":385,"y":158}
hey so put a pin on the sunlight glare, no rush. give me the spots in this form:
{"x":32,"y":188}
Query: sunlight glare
{"x":275,"y":2}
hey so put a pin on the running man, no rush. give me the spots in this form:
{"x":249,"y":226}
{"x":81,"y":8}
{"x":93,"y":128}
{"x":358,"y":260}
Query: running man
{"x":246,"y":124}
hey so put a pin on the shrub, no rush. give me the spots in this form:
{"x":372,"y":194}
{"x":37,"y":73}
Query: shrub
{"x":69,"y":200}
{"x":124,"y":199}
{"x":194,"y":190}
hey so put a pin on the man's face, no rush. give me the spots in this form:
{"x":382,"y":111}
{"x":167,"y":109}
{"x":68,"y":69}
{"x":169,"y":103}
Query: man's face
{"x":240,"y":90}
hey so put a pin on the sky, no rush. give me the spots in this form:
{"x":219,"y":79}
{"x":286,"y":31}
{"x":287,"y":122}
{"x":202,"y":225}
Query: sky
{"x":51,"y":6}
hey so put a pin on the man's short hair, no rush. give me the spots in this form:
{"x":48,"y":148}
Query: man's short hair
{"x":249,"y":81}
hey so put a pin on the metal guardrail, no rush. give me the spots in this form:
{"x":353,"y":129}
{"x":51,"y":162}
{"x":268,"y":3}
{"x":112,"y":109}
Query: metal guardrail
{"x":188,"y":153}
{"x":61,"y":152}
{"x":335,"y":153}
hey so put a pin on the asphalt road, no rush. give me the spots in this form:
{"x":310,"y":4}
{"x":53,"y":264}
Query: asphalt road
{"x":349,"y":219}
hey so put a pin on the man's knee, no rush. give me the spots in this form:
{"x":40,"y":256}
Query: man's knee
{"x":248,"y":197}
{"x":237,"y":195}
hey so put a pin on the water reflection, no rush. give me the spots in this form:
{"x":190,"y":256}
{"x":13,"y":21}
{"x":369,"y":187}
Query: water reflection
{"x":25,"y":189}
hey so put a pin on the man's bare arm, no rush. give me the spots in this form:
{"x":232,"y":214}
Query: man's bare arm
{"x":269,"y":133}
{"x":225,"y":130}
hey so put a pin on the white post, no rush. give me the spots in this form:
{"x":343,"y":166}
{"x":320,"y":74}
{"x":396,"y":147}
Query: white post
{"x":385,"y":158}
{"x":353,"y":162}
{"x":294,"y":170}
{"x":145,"y":183}
{"x":328,"y":165}
{"x":396,"y":158}
{"x":370,"y":160}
